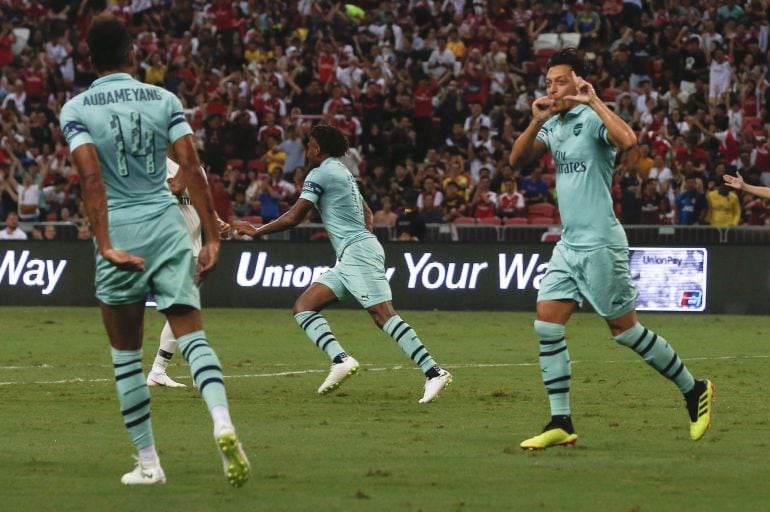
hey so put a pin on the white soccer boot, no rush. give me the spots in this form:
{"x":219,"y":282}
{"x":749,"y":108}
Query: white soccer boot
{"x":338,"y":373}
{"x":234,"y":461}
{"x":144,"y":474}
{"x":434,"y":386}
{"x":162,"y":380}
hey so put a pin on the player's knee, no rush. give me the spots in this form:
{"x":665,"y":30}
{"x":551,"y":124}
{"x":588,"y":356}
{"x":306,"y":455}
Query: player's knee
{"x":380,"y":316}
{"x":299,"y":307}
{"x":548,"y":330}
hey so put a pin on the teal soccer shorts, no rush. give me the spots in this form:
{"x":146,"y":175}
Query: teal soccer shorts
{"x":169,"y":264}
{"x":601,"y":276}
{"x":360,"y":272}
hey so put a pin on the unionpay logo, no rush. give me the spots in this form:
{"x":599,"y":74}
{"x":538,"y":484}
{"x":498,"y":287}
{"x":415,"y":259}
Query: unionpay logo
{"x":691,"y":299}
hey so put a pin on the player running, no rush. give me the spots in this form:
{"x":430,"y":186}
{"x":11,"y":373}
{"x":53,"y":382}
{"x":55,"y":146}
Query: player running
{"x":360,"y":269}
{"x":591,"y":260}
{"x":168,"y":343}
{"x":118,"y":132}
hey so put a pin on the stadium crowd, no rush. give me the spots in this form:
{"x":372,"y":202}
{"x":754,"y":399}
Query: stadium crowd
{"x":431,"y":94}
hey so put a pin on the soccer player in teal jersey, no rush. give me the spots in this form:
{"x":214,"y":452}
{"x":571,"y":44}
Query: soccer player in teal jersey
{"x":360,"y":269}
{"x":119,"y":131}
{"x":591,"y":260}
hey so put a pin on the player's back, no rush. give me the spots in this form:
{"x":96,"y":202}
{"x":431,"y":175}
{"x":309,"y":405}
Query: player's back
{"x":340,"y":203}
{"x":131,"y":124}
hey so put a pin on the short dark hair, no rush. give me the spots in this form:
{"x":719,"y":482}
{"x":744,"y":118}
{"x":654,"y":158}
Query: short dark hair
{"x":331,"y":140}
{"x":569,"y":57}
{"x":109,"y":42}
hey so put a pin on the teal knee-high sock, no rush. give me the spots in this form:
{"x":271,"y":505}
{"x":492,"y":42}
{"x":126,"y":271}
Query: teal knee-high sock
{"x":133,"y":396}
{"x":317,"y":329}
{"x":204,"y":367}
{"x":554,"y":366}
{"x":658,"y":354}
{"x":407,"y":339}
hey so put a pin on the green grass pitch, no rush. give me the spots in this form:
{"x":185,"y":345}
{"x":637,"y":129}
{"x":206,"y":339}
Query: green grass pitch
{"x":370,"y":446}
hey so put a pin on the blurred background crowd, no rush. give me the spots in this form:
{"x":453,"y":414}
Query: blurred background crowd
{"x":431,"y":94}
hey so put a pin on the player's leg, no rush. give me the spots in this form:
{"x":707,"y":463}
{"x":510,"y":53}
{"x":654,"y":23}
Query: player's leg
{"x":125,"y":325}
{"x":659,"y":354}
{"x":613,"y":295}
{"x":179,"y":300}
{"x":122,"y":297}
{"x":206,"y":370}
{"x":436,"y":378}
{"x":556,"y":301}
{"x":307,"y":312}
{"x":167,"y":349}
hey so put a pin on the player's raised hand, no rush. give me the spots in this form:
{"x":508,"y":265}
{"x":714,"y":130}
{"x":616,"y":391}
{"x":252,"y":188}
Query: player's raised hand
{"x":734,"y":181}
{"x":585,"y":91}
{"x":207,"y":258}
{"x":242,"y":227}
{"x":542,"y":109}
{"x":124,"y":260}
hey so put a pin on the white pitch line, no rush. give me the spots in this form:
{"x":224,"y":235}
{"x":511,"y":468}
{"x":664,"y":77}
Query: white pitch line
{"x":78,"y":380}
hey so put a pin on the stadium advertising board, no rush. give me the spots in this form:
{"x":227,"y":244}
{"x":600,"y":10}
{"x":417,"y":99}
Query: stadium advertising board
{"x":447,"y":276}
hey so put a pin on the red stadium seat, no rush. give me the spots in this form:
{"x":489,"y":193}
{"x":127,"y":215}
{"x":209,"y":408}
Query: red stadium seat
{"x":551,"y":237}
{"x":257,"y":165}
{"x":609,"y":94}
{"x":491,"y":221}
{"x":550,"y":179}
{"x":546,"y":221}
{"x":512,"y":221}
{"x":235,"y":163}
{"x":253,"y":219}
{"x":464,"y":220}
{"x":541,"y":209}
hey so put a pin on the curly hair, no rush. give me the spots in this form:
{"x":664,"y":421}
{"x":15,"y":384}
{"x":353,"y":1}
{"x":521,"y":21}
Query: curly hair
{"x":331,"y":140}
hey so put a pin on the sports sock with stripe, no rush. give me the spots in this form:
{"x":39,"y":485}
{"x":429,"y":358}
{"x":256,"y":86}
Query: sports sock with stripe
{"x":133,"y":396}
{"x":317,"y":329}
{"x":168,"y":347}
{"x":205,"y":368}
{"x":554,"y":366}
{"x":407,"y":339}
{"x":658,"y":354}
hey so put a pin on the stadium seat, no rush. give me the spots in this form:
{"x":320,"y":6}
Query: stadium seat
{"x":253,"y":219}
{"x":546,"y":41}
{"x":510,"y":221}
{"x":464,"y":220}
{"x":609,"y":94}
{"x":490,"y":221}
{"x":257,"y":165}
{"x":541,"y":210}
{"x":550,"y":179}
{"x":544,"y":221}
{"x":235,"y":163}
{"x":569,"y":40}
{"x":551,"y":236}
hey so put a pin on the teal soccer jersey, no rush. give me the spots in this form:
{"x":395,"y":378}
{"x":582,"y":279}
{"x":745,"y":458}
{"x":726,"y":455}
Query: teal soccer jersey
{"x":131,"y":124}
{"x":584,"y":160}
{"x":334,"y":192}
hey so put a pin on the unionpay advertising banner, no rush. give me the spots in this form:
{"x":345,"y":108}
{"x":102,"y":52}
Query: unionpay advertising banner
{"x":445,"y":276}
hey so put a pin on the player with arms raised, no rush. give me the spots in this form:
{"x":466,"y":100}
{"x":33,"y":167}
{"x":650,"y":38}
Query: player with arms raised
{"x":591,"y":260}
{"x":118,"y":132}
{"x":360,"y":269}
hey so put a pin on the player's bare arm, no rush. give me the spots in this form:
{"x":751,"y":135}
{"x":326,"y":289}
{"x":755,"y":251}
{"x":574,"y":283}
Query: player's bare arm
{"x":737,"y":183}
{"x":527,"y":148}
{"x":86,"y":162}
{"x":619,"y":133}
{"x":200,"y":196}
{"x":286,"y":221}
{"x":368,"y":217}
